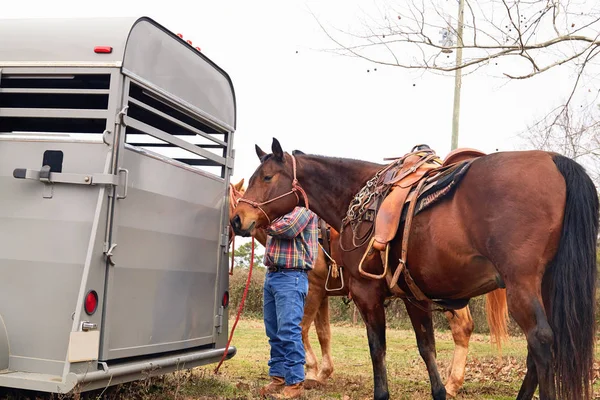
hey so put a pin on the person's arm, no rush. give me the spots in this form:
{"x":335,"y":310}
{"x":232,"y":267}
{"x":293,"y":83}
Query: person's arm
{"x":291,"y":224}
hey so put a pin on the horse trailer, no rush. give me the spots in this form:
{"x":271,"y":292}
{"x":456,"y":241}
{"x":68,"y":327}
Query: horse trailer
{"x":116,"y":151}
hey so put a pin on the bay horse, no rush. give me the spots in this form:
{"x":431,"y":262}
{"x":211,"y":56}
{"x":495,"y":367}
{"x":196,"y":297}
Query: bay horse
{"x":317,"y":310}
{"x":526,"y":221}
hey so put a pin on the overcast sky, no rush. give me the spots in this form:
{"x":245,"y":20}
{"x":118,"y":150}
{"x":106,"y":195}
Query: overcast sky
{"x":321,"y":102}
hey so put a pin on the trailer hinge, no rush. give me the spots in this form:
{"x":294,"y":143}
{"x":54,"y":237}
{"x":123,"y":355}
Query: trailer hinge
{"x":224,"y":239}
{"x":108,"y":252}
{"x":121,"y":116}
{"x":219,"y":320}
{"x":88,"y":326}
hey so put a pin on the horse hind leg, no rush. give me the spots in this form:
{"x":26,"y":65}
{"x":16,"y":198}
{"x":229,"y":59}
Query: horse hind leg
{"x":526,"y":308}
{"x":323,"y":329}
{"x":423,"y":327}
{"x":461,"y":326}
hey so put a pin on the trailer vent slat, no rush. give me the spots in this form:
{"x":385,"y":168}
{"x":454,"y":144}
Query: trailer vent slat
{"x":160,"y":114}
{"x":63,"y":94}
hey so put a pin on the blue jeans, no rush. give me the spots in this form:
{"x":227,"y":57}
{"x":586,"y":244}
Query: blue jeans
{"x":284,"y":295}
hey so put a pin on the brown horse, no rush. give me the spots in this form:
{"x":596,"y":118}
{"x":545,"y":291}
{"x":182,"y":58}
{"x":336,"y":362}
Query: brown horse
{"x":317,"y":310}
{"x":526,"y":221}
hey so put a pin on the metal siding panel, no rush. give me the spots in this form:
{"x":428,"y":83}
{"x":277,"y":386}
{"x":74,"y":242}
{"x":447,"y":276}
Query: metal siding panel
{"x":43,"y":244}
{"x":172,"y":65}
{"x":154,"y":310}
{"x":63,"y":39}
{"x":163,"y":283}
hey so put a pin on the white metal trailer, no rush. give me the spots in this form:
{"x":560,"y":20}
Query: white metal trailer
{"x":115,"y":156}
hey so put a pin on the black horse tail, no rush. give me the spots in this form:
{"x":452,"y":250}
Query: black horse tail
{"x":571,"y":284}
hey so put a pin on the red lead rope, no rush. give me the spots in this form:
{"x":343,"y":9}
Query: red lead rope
{"x":241,"y":302}
{"x":233,"y":253}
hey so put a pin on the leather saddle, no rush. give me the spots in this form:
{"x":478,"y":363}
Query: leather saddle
{"x":409,"y":185}
{"x":433,"y":175}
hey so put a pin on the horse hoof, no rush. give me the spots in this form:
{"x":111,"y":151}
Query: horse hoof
{"x":312,"y":384}
{"x":451,"y":392}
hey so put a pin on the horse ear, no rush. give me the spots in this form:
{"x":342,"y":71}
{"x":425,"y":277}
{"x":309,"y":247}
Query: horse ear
{"x":276,"y":149}
{"x":259,"y":152}
{"x":238,"y":186}
{"x":298,"y":152}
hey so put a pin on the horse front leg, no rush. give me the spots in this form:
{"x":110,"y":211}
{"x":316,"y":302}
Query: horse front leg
{"x":461,"y":325}
{"x":313,"y":301}
{"x":368,"y":297}
{"x":423,"y":327}
{"x":323,"y":329}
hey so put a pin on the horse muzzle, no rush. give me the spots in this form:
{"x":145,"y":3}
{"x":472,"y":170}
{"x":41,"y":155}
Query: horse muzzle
{"x":238,"y":229}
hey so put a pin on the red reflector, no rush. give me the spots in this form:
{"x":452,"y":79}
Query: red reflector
{"x":189,"y":42}
{"x":225,"y":299}
{"x":180,"y":35}
{"x":91,"y":302}
{"x":198,"y":48}
{"x":102,"y":49}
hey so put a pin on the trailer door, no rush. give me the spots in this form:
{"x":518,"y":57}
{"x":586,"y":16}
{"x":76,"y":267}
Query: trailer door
{"x":168,"y":231}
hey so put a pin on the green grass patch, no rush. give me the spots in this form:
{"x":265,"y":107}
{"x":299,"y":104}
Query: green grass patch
{"x":489,"y":375}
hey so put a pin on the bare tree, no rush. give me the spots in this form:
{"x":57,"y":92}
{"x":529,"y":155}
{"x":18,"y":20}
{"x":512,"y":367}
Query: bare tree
{"x":537,"y":34}
{"x":512,"y":39}
{"x":572,"y":132}
{"x":518,"y":39}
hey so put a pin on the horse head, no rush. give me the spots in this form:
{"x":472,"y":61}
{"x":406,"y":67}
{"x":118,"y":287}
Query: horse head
{"x":236,"y":191}
{"x":272,"y":191}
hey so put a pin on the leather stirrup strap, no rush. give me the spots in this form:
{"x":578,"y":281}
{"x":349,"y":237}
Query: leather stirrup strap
{"x":402,"y":267}
{"x":324,"y":236}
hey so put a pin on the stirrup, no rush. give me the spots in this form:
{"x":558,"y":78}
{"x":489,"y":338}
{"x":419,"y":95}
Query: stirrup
{"x":327,"y":280}
{"x":385,"y":264}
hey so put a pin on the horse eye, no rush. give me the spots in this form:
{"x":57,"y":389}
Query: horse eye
{"x":267,"y":178}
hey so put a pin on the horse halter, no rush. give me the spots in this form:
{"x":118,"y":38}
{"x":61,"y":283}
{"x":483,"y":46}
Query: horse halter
{"x":295,"y":189}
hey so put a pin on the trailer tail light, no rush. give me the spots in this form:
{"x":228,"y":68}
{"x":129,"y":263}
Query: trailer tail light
{"x":103,"y":49}
{"x":91,"y":302}
{"x":225,"y":302}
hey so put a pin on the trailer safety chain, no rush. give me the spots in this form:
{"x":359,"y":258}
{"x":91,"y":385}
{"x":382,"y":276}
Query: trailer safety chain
{"x":241,"y":302}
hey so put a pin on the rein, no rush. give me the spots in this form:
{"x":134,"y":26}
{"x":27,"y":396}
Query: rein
{"x":295,"y":189}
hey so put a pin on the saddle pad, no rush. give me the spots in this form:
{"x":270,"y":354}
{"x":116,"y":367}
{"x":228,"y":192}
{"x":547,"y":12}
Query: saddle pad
{"x":440,"y":188}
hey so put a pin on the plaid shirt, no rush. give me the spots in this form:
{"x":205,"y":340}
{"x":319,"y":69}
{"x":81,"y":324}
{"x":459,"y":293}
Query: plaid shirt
{"x":292,"y":240}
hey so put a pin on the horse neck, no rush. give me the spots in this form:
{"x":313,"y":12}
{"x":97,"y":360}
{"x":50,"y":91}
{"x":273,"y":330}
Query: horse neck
{"x":331,"y":183}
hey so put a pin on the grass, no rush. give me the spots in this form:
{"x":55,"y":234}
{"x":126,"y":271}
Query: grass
{"x":488,"y":375}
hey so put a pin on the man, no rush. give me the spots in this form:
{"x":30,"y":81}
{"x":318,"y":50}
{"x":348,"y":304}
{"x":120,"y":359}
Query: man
{"x":290,"y":252}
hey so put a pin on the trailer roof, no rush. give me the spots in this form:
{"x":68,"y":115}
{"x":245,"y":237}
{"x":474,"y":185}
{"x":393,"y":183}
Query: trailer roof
{"x":140,"y":46}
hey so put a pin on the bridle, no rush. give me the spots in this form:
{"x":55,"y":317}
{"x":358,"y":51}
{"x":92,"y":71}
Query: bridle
{"x":295,"y":189}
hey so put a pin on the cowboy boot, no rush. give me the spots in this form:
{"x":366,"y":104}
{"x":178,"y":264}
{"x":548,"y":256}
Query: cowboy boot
{"x":294,"y":391}
{"x":276,"y":385}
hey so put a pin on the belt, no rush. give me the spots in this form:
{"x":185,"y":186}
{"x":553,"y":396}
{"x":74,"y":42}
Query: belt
{"x":275,"y":268}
